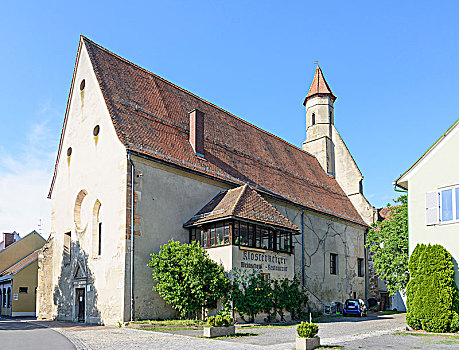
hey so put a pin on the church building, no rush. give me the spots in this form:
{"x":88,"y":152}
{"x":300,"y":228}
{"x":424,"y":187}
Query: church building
{"x":142,"y":161}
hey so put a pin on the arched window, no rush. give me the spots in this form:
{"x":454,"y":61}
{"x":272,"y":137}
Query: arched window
{"x":79,"y":223}
{"x":96,"y":229}
{"x":4,"y":297}
{"x":313,"y":118}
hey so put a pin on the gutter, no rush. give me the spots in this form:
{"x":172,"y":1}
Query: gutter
{"x":131,"y":317}
{"x":302,"y":248}
{"x":402,"y":189}
{"x":6,"y":278}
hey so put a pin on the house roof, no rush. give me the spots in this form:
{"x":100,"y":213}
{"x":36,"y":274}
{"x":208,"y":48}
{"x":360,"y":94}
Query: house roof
{"x":384,"y":213}
{"x":319,"y":86}
{"x":21,"y":264}
{"x":150,"y":116}
{"x":242,"y":202}
{"x":402,"y":180}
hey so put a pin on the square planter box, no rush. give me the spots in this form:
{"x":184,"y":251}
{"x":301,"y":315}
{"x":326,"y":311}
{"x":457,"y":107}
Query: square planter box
{"x":307,"y":343}
{"x":212,"y":332}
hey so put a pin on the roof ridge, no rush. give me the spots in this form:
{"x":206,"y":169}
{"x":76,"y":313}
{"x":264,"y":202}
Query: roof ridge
{"x":236,"y":202}
{"x":190,"y":93}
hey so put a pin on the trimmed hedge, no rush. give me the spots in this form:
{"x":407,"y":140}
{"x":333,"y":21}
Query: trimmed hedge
{"x":432,"y":295}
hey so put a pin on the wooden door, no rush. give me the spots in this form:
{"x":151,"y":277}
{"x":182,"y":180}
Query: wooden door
{"x":80,"y":304}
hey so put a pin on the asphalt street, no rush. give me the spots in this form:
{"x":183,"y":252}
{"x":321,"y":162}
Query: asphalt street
{"x":22,"y":335}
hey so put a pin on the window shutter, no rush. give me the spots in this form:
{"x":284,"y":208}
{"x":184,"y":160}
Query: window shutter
{"x":432,"y":208}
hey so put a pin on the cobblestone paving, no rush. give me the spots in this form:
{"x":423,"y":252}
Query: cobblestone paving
{"x":351,"y":332}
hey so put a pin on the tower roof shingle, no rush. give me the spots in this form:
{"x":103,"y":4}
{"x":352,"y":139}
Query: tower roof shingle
{"x":319,"y":86}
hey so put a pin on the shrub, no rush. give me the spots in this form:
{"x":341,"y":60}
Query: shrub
{"x":432,"y":297}
{"x":273,"y":297}
{"x":187,"y":279}
{"x":307,"y":330}
{"x":220,"y":321}
{"x":455,"y":323}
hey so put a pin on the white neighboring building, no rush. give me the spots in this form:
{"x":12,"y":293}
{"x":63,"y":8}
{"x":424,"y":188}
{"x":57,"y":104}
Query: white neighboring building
{"x":433,"y":196}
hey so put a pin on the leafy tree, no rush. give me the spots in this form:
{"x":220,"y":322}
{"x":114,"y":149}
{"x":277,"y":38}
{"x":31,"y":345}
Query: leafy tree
{"x":187,"y":279}
{"x":432,"y":295}
{"x":388,"y":241}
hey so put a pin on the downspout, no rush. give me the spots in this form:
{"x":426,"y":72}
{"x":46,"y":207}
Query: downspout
{"x":366,"y":264}
{"x":132,"y":239}
{"x":302,"y":247}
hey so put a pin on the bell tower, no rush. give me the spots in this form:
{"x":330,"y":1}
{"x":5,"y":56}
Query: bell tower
{"x":319,"y":122}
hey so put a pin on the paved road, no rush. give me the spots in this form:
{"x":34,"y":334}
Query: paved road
{"x":22,"y":335}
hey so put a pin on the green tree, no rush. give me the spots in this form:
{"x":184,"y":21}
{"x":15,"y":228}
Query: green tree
{"x":432,"y":297}
{"x":388,"y":242}
{"x":187,"y":279}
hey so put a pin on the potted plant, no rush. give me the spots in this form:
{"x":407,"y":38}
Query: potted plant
{"x":307,"y":336}
{"x":219,"y":326}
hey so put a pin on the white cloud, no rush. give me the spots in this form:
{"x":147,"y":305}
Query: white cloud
{"x":25,"y":176}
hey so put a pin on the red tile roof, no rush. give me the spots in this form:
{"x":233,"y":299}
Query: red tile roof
{"x":21,"y":264}
{"x":384,"y":213}
{"x":150,"y":116}
{"x":241,"y":202}
{"x":319,"y":86}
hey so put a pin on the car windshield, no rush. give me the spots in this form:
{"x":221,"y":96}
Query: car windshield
{"x":352,"y":302}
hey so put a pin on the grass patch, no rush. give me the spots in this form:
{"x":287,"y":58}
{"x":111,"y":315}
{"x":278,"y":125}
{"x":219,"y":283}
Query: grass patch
{"x":164,"y":323}
{"x":336,"y":347}
{"x":237,"y":335}
{"x":448,"y":342}
{"x":431,"y":335}
{"x":288,"y":324}
{"x":170,"y":328}
{"x":390,"y":312}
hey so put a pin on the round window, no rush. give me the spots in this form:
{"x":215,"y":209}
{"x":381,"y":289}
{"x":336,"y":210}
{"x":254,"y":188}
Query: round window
{"x":82,"y":85}
{"x":69,"y":151}
{"x":96,"y":130}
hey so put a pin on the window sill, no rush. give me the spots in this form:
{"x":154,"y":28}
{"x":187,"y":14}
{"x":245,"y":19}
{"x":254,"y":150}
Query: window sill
{"x":260,"y":250}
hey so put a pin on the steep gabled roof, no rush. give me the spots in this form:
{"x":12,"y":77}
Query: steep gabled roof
{"x":319,"y":86}
{"x":150,"y":115}
{"x":242,"y":202}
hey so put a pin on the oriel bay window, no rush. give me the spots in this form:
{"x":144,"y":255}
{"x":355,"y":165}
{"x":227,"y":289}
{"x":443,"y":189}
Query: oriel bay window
{"x":243,"y":234}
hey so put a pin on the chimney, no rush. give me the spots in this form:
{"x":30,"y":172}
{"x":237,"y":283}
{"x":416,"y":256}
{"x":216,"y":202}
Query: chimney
{"x":197,"y":131}
{"x":8,"y":239}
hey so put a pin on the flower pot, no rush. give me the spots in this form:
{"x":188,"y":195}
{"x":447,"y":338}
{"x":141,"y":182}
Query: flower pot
{"x":212,"y":332}
{"x":307,"y":343}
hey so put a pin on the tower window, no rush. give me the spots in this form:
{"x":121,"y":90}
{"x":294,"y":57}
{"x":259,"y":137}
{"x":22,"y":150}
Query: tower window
{"x":82,"y":85}
{"x":313,"y":119}
{"x":331,"y":118}
{"x":96,"y":130}
{"x":69,"y":151}
{"x":361,"y":186}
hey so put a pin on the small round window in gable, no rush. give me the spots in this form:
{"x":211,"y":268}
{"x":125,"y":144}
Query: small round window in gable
{"x":95,"y":132}
{"x":69,"y":153}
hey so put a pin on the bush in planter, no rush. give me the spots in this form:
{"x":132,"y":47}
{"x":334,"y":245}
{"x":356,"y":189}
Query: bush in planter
{"x":307,"y":330}
{"x":220,"y":321}
{"x":432,"y":296}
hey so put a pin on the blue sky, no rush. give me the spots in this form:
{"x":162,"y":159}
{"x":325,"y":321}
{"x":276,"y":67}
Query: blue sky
{"x":393,"y":66}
